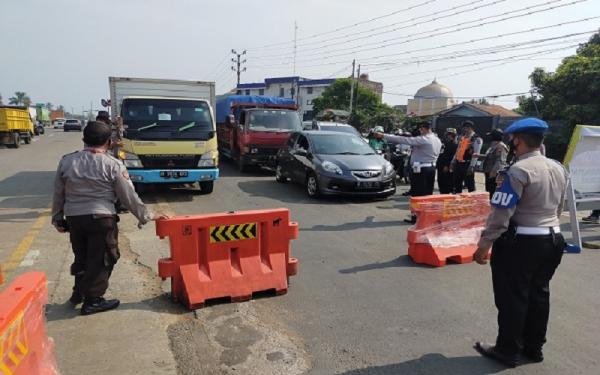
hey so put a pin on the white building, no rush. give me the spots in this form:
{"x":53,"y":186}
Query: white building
{"x":430,"y":99}
{"x":303,"y":90}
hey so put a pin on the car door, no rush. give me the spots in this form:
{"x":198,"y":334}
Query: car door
{"x":300,"y":158}
{"x":284,"y":158}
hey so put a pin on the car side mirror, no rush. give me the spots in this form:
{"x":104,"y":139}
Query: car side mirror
{"x":301,"y":152}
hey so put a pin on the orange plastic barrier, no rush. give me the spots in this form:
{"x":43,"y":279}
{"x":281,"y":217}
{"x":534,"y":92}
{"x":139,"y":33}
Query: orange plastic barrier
{"x":228,"y":255}
{"x":448,"y":227}
{"x":25,"y":348}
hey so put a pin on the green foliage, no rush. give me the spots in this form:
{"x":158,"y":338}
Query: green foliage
{"x":479,"y":101}
{"x":20,"y":98}
{"x":368,"y":110}
{"x":571,"y":94}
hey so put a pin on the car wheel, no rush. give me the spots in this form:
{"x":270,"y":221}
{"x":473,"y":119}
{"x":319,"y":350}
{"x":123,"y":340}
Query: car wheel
{"x":279,"y":177}
{"x":206,"y":187}
{"x":312,"y":185}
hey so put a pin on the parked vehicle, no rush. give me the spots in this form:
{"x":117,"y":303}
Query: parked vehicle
{"x":58,"y":123}
{"x":38,"y":128}
{"x":251,"y":129}
{"x":57,"y":114}
{"x":42,"y":115}
{"x":335,"y":127}
{"x":331,"y":163}
{"x":307,"y":125}
{"x":169,"y":130}
{"x":72,"y":124}
{"x":15,"y":126}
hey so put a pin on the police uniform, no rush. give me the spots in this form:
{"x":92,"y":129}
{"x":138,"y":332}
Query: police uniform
{"x":444,"y":176}
{"x":86,"y":187}
{"x":523,"y":231}
{"x":423,"y":157}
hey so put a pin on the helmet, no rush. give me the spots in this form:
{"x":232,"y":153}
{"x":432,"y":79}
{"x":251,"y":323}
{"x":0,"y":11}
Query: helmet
{"x":378,"y":129}
{"x":451,"y":131}
{"x":496,"y":135}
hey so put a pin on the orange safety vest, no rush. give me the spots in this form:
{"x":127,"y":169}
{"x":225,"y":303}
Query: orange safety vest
{"x":463,"y":146}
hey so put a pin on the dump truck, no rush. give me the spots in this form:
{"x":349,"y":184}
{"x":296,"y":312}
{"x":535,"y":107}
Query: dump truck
{"x":15,"y":126}
{"x":169,"y":134}
{"x":251,"y":129}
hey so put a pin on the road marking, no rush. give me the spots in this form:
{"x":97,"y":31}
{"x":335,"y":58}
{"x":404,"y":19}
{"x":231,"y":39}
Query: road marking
{"x":30,"y":258}
{"x":18,"y":255}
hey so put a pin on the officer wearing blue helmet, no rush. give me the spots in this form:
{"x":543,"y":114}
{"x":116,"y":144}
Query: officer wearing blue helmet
{"x":523,"y":230}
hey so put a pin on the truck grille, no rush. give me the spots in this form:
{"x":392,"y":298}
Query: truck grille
{"x":266,"y":150}
{"x":169,"y":161}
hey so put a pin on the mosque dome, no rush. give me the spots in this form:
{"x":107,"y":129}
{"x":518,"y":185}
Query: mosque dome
{"x":434,"y":91}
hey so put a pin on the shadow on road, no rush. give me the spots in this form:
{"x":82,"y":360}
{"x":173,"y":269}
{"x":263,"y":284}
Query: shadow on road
{"x":368,"y":223}
{"x":402,"y":261}
{"x":159,"y":304}
{"x":434,"y":363}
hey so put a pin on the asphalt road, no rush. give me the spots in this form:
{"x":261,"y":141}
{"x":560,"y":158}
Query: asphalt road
{"x":358,"y":305}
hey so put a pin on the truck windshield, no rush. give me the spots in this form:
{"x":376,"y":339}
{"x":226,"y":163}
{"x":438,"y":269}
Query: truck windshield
{"x":274,"y":120}
{"x":166,"y":118}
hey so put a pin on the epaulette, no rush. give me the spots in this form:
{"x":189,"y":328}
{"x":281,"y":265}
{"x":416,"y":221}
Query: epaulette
{"x":71,"y":153}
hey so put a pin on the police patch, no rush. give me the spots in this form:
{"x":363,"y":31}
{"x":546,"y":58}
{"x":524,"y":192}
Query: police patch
{"x":125,"y":175}
{"x":505,"y":196}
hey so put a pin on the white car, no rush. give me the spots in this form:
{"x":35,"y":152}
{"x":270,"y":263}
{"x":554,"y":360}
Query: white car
{"x":58,"y":123}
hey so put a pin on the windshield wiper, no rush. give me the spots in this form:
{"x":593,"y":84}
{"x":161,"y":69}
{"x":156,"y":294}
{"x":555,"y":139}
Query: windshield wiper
{"x":153,"y":125}
{"x":188,"y":126}
{"x":347,"y":153}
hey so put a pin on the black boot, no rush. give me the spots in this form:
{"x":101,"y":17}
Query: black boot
{"x":98,"y":304}
{"x":490,"y":351}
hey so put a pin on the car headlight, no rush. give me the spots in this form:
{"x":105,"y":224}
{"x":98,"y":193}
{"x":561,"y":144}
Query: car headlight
{"x":206,"y":160}
{"x":388,"y":169}
{"x":130,"y":160}
{"x":331,"y":167}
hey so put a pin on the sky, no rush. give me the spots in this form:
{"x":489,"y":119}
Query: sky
{"x":63,"y":51}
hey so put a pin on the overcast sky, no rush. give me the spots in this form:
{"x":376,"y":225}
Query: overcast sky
{"x":62,"y":51}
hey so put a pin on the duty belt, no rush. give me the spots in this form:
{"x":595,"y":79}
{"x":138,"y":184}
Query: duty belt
{"x":537,"y":231}
{"x":415,"y":164}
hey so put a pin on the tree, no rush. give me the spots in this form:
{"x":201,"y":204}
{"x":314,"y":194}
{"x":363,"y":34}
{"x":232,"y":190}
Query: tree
{"x":20,"y":98}
{"x":0,"y":99}
{"x":570,"y":95}
{"x":61,"y":108}
{"x":368,"y":110}
{"x":49,"y":106}
{"x":479,"y":101}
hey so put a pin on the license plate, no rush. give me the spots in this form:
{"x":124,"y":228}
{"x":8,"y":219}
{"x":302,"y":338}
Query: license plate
{"x":173,"y":174}
{"x":368,"y":184}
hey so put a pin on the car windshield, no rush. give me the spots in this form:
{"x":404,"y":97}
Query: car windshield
{"x":339,"y":129}
{"x":339,"y":144}
{"x":274,"y":120}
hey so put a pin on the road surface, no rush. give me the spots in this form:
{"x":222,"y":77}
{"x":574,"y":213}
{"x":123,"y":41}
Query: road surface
{"x":358,"y":305}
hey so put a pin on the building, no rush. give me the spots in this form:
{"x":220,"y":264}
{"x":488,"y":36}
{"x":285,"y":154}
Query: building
{"x":430,"y":100}
{"x":485,"y":117}
{"x":376,"y":87}
{"x":286,"y":87}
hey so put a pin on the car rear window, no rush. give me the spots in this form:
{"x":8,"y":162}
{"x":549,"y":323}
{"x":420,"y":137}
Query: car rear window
{"x":72,"y":121}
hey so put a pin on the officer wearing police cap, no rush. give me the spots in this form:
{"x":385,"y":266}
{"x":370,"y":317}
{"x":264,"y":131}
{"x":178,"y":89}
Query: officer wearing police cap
{"x":86,"y":186}
{"x":527,"y":246}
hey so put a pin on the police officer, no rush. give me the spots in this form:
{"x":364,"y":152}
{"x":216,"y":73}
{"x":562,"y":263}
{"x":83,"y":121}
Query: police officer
{"x":463,"y":164}
{"x":444,"y":176}
{"x":86,"y":186}
{"x":495,"y":159}
{"x":425,"y":151}
{"x":527,"y":244}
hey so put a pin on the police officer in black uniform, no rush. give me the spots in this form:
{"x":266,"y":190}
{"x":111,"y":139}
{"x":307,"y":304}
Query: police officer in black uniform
{"x":444,"y":176}
{"x":527,"y":245}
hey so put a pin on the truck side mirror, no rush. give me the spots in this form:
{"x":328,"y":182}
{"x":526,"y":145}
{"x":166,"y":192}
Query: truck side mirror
{"x":230,"y":121}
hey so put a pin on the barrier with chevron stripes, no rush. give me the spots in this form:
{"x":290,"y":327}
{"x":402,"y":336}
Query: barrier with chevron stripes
{"x":228,"y":255}
{"x":236,"y":232}
{"x":24,"y":346}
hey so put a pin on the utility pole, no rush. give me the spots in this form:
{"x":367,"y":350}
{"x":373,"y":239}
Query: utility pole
{"x":237,"y":60}
{"x":352,"y":86}
{"x":357,"y":84}
{"x":533,"y":98}
{"x":295,"y":44}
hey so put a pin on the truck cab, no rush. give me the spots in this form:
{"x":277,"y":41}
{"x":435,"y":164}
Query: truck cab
{"x":252,"y":129}
{"x":169,"y":140}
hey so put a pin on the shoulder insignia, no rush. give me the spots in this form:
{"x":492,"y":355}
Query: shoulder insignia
{"x":505,"y":196}
{"x":125,"y":174}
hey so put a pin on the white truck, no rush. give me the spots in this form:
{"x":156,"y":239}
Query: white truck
{"x":169,"y":130}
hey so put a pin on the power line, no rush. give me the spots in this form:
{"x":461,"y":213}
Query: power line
{"x":397,"y":23}
{"x":347,"y":26}
{"x":352,"y":50}
{"x":464,"y":97}
{"x":216,"y":68}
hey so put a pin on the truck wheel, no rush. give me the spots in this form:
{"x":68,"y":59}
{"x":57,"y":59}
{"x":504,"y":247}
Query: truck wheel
{"x":206,"y":187}
{"x":27,"y":139}
{"x":242,"y":167}
{"x":16,"y":140}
